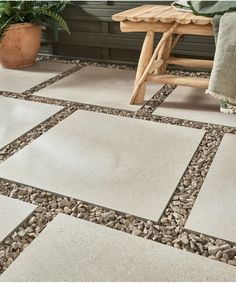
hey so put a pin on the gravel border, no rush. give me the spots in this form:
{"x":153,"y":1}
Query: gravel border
{"x":169,"y":229}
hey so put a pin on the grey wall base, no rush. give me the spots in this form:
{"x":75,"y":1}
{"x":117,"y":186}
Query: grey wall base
{"x":94,"y":35}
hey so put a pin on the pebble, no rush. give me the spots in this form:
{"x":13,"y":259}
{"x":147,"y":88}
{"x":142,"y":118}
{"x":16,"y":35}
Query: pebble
{"x":219,"y":254}
{"x":177,"y":241}
{"x":176,"y":202}
{"x":82,"y":210}
{"x":193,"y":246}
{"x":145,"y":231}
{"x":230,"y":252}
{"x":225,"y":256}
{"x":53,"y":204}
{"x":185,"y":240}
{"x":165,"y":240}
{"x":194,"y":238}
{"x":232,"y":262}
{"x":225,"y":247}
{"x":199,"y":248}
{"x":219,"y":242}
{"x":65,"y":203}
{"x":21,"y":233}
{"x":31,"y":220}
{"x":110,"y":224}
{"x":177,"y":246}
{"x":67,"y":210}
{"x":176,"y":215}
{"x":109,"y":215}
{"x":212,"y":250}
{"x":136,"y":232}
{"x":14,"y":245}
{"x":118,"y":226}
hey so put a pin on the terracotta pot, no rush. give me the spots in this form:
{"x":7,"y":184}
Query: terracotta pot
{"x":19,"y":47}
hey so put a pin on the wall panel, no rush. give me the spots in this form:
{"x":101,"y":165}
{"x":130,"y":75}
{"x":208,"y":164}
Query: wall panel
{"x":94,"y":35}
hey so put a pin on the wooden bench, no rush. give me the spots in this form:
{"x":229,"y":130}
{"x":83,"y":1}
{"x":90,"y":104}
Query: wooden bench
{"x":152,"y":62}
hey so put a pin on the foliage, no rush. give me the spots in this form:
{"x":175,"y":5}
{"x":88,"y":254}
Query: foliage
{"x":44,"y":13}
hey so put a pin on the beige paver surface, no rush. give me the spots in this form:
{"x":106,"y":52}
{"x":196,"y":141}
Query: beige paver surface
{"x":107,"y":87}
{"x":193,"y":104}
{"x":215,"y":210}
{"x":26,"y":78}
{"x":19,"y":116}
{"x":117,"y":170}
{"x":121,"y":163}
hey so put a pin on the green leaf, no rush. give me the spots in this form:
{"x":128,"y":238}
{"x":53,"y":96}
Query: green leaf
{"x":54,"y":16}
{"x":45,"y":13}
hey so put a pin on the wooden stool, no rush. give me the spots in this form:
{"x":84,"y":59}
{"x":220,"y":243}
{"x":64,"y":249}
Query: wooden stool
{"x":152,"y":63}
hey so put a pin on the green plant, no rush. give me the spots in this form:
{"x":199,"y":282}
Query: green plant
{"x":44,"y":13}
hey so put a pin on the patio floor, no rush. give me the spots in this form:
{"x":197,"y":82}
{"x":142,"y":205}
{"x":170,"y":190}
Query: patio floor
{"x":95,"y":189}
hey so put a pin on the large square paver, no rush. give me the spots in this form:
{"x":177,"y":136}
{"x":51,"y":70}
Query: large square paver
{"x":120,"y":163}
{"x":98,"y":86}
{"x":19,"y":116}
{"x":28,"y":77}
{"x":193,"y":104}
{"x":215,"y":209}
{"x":71,"y":249}
{"x":12,"y":213}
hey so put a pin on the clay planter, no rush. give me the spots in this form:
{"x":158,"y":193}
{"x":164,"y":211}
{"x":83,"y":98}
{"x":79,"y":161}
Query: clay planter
{"x":19,"y":46}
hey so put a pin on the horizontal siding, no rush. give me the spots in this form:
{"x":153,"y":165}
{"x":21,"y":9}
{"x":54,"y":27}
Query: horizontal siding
{"x":94,"y":35}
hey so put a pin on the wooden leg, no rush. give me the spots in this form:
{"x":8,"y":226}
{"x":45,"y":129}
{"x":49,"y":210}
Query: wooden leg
{"x":165,"y":52}
{"x":144,"y":59}
{"x":152,"y":62}
{"x":164,"y":55}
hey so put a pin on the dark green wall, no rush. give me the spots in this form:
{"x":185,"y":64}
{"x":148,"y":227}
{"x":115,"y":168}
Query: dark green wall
{"x":95,"y":35}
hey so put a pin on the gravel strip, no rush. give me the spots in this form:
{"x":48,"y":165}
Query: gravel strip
{"x":155,"y":101}
{"x":169,"y":229}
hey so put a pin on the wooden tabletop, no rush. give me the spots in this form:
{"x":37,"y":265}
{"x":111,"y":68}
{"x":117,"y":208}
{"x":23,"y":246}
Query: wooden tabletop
{"x":160,"y":13}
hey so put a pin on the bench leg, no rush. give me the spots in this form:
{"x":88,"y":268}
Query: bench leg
{"x":164,"y":55}
{"x":144,"y":59}
{"x":153,"y":62}
{"x":165,"y":52}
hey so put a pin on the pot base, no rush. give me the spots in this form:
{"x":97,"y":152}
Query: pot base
{"x":19,"y":46}
{"x":20,"y":66}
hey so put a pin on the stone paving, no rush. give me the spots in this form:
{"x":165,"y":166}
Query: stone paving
{"x":192,"y":104}
{"x":89,"y":252}
{"x":27,"y":78}
{"x":216,"y":199}
{"x":99,"y":92}
{"x":73,"y":150}
{"x":18,"y":117}
{"x":99,"y":163}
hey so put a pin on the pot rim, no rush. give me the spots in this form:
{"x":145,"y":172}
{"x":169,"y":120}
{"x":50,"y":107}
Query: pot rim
{"x":18,"y":25}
